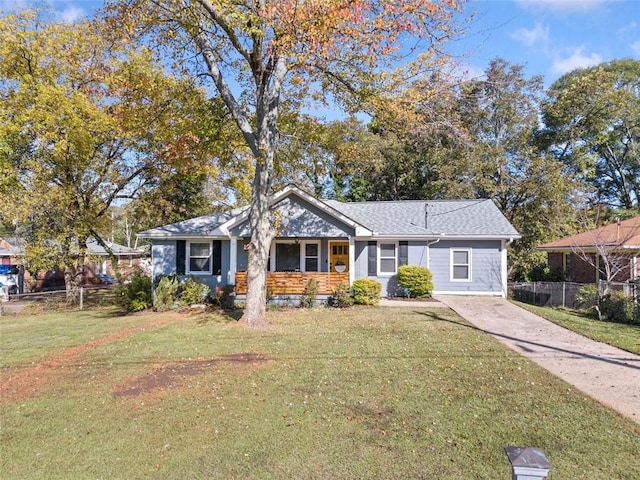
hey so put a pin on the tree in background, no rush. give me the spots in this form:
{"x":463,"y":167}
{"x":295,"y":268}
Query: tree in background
{"x":592,"y":120}
{"x":85,"y":122}
{"x":258,"y":53}
{"x":500,"y":160}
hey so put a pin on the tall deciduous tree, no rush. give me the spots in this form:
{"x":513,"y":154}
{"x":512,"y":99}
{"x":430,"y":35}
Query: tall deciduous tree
{"x":592,"y":120}
{"x":259,"y":52}
{"x":500,"y":161}
{"x":84,"y":122}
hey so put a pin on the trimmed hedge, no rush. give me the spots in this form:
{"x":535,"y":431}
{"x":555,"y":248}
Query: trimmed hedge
{"x":417,"y":280}
{"x":366,"y":291}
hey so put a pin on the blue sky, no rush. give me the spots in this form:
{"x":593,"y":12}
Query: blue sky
{"x":550,"y":37}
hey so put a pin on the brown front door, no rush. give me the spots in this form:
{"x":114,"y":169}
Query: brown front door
{"x":339,"y":256}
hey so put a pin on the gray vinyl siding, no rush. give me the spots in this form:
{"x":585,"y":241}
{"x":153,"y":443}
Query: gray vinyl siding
{"x":163,"y":254}
{"x":486,"y":270}
{"x":417,"y":255}
{"x":300,"y":218}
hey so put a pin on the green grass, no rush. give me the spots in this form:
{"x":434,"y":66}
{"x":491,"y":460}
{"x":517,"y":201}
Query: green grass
{"x":363,"y":393}
{"x":621,"y":335}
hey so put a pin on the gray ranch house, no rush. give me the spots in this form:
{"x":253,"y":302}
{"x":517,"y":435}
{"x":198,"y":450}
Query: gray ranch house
{"x":463,"y":243}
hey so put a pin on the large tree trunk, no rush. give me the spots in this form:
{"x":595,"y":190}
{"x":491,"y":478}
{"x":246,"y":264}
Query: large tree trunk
{"x":262,"y":234}
{"x":72,"y":284}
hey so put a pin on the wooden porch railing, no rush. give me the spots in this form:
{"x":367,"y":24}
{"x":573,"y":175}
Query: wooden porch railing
{"x":294,"y":283}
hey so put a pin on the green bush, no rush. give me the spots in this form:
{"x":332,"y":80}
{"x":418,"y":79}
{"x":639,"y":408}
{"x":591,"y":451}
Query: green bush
{"x":587,"y":295}
{"x":341,"y":297}
{"x":223,"y":297}
{"x":165,"y":296}
{"x":135,"y":293}
{"x":193,"y":291}
{"x":308,"y":298}
{"x":366,"y":291}
{"x":417,"y":280}
{"x":617,"y":307}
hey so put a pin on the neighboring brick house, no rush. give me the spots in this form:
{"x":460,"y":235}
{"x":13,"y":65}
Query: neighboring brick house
{"x":97,"y":267}
{"x":584,"y":257}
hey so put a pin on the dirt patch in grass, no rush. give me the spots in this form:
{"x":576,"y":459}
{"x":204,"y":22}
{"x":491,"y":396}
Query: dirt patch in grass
{"x":169,"y":376}
{"x":21,"y":384}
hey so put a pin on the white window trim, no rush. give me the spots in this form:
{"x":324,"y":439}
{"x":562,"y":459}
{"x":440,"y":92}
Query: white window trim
{"x":395,"y":258}
{"x":303,"y":256}
{"x":469,"y":265}
{"x":188,"y":259}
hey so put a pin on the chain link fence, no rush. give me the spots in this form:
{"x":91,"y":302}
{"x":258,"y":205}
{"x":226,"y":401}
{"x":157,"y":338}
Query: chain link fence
{"x":566,"y":294}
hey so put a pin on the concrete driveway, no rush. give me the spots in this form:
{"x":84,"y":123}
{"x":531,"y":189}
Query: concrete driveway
{"x":608,"y":374}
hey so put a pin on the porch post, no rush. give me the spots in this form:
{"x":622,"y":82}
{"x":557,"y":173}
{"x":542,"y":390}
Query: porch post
{"x":352,"y":253}
{"x":233,"y":260}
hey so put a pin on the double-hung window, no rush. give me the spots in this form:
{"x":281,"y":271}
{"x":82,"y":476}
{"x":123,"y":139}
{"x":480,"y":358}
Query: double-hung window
{"x":199,"y":257}
{"x":387,"y":258}
{"x":460,"y":264}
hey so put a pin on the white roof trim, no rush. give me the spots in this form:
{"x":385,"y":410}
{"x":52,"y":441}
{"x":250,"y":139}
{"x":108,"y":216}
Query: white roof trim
{"x":284,"y":193}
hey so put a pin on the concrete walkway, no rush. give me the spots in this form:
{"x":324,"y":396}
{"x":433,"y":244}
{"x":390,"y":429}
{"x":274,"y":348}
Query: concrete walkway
{"x":609,"y":375}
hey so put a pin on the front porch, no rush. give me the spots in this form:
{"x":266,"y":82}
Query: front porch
{"x":294,"y":283}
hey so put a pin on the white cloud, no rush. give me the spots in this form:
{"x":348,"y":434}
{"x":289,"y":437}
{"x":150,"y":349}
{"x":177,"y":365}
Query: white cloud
{"x":538,"y":35}
{"x":577,"y":59}
{"x":70,"y":14}
{"x":11,"y":6}
{"x":636,"y":48}
{"x":629,"y":28}
{"x":561,"y":6}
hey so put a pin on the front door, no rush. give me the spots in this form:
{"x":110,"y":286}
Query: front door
{"x":339,"y":256}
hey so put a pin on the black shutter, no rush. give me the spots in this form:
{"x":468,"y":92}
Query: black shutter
{"x":181,"y":256}
{"x":373,"y":267}
{"x":403,"y":253}
{"x":217,"y":257}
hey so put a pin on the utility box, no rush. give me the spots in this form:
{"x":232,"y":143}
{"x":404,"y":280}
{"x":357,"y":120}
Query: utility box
{"x":528,"y":463}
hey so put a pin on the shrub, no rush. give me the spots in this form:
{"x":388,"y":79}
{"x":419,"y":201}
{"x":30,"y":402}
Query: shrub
{"x":166,"y":293}
{"x":587,"y":295}
{"x":366,"y":291}
{"x":616,"y":307}
{"x":269,"y":294}
{"x":341,"y":297}
{"x":193,"y":291}
{"x":135,"y":294}
{"x":417,"y":280}
{"x":308,"y":298}
{"x":223,"y":297}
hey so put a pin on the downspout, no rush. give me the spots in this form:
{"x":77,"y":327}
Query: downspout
{"x":433,"y":242}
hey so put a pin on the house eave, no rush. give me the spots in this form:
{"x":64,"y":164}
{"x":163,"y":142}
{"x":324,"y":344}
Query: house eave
{"x":360,"y":230}
{"x":172,"y":236}
{"x":441,"y":236}
{"x":588,"y":248}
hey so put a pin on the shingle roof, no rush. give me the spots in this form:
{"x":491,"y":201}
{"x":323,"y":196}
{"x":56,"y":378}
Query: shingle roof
{"x":625,"y":234}
{"x":194,"y":227}
{"x":401,"y":218}
{"x":429,"y":217}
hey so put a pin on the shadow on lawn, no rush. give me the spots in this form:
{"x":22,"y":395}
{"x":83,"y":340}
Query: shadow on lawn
{"x":622,"y":362}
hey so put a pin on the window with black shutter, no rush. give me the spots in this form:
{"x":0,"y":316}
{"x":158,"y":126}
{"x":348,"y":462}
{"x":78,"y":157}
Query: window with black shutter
{"x":217,"y":257}
{"x":373,"y":264}
{"x":181,"y":257}
{"x":403,"y":253}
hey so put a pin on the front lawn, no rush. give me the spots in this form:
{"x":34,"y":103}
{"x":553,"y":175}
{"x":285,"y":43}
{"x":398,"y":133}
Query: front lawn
{"x":364,"y":393}
{"x":621,"y":335}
